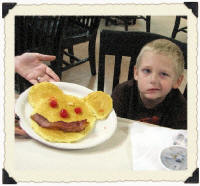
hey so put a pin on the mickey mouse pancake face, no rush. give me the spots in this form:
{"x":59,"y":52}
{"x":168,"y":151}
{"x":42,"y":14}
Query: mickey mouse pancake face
{"x":58,"y":117}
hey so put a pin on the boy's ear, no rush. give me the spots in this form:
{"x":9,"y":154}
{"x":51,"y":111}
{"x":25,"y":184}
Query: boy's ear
{"x":178,"y":82}
{"x":135,"y":73}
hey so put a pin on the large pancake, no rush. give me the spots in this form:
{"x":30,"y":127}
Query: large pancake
{"x":39,"y":97}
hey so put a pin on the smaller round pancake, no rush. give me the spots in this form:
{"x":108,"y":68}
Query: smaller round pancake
{"x":100,"y":102}
{"x":41,"y":91}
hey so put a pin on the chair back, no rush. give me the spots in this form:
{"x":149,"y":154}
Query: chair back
{"x":86,"y":23}
{"x":122,"y":43}
{"x":177,"y":27}
{"x":37,"y":34}
{"x":79,"y":29}
{"x":40,"y":34}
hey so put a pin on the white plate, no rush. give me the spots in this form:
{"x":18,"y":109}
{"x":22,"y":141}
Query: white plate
{"x":102,"y":131}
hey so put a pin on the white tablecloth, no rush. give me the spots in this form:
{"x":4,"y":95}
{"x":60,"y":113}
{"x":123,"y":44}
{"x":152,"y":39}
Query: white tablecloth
{"x":147,"y":143}
{"x":111,"y":156}
{"x":134,"y":146}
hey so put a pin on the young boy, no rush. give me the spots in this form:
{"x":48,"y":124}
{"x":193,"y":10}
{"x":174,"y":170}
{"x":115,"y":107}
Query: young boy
{"x":153,"y":96}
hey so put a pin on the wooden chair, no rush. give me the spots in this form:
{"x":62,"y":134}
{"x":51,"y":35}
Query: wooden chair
{"x":176,"y":28}
{"x":37,"y":34}
{"x":130,"y":45}
{"x":79,"y":29}
{"x":127,"y":20}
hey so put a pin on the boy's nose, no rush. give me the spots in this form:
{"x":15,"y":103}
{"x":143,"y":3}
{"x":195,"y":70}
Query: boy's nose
{"x":154,"y":78}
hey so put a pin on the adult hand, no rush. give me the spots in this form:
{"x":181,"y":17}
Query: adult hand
{"x":31,"y":67}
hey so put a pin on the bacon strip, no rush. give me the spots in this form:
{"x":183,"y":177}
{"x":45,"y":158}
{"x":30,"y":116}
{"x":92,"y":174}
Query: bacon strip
{"x":75,"y":126}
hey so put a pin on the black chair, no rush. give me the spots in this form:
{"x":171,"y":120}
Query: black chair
{"x":176,"y":28}
{"x":40,"y":34}
{"x":79,"y":29}
{"x":127,"y":20}
{"x":130,"y":45}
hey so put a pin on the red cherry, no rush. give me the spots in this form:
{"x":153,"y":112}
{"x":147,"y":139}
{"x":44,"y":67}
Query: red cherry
{"x":64,"y":113}
{"x":78,"y":110}
{"x":53,"y":103}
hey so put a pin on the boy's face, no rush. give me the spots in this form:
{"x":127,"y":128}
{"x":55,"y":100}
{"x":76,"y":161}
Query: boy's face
{"x":155,"y":76}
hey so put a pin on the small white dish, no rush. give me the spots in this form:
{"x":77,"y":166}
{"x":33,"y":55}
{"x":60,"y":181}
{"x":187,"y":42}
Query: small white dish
{"x":174,"y":158}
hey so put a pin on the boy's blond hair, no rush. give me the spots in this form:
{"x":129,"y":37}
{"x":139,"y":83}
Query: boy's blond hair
{"x":167,"y":48}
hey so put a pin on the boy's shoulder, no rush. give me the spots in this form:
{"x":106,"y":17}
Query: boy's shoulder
{"x":177,"y":98}
{"x":176,"y":110}
{"x":126,"y":84}
{"x":125,"y":88}
{"x":176,"y":93}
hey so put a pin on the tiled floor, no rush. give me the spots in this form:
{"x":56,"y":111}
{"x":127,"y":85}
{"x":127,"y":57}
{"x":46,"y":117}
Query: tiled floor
{"x":81,"y":74}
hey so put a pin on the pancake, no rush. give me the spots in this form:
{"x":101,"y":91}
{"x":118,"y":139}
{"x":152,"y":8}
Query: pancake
{"x":43,"y":90}
{"x":40,"y":96}
{"x":100,"y":103}
{"x":96,"y":105}
{"x":53,"y":114}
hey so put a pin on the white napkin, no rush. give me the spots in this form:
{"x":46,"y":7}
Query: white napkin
{"x":147,"y":143}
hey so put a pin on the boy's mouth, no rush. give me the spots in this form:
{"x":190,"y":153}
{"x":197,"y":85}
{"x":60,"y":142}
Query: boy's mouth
{"x":153,"y":90}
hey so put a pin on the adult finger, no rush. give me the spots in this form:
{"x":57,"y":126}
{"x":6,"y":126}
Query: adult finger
{"x":52,"y":74}
{"x":33,"y":81}
{"x":43,"y":57}
{"x":52,"y":80}
{"x":45,"y":78}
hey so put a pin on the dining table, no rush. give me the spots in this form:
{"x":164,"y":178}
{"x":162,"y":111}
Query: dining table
{"x":134,"y":147}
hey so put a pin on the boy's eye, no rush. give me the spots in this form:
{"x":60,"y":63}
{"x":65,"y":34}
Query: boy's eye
{"x":164,"y":74}
{"x":146,"y":70}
